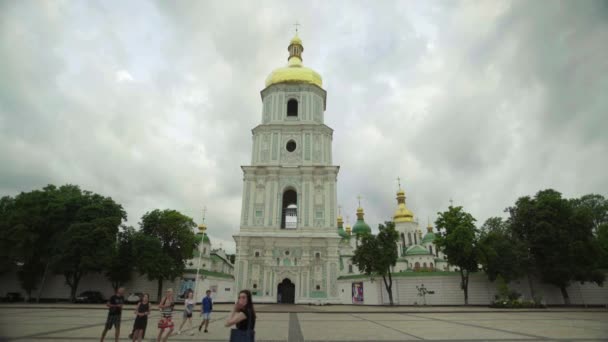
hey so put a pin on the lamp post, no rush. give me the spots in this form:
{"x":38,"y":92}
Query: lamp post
{"x":202,"y":227}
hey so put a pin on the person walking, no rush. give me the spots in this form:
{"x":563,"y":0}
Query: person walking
{"x":243,"y":317}
{"x":166,"y":311}
{"x":188,"y":308}
{"x":114,"y":311}
{"x":141,"y":318}
{"x":206,"y":308}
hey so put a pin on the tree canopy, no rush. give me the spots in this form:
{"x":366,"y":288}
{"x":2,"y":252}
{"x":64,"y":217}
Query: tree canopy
{"x":457,"y":238}
{"x":171,"y":235}
{"x":375,"y":255}
{"x":558,"y":234}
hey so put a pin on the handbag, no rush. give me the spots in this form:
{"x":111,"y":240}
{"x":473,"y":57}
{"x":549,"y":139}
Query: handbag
{"x":238,"y":335}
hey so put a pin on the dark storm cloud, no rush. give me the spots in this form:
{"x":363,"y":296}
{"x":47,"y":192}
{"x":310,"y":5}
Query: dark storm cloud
{"x":153,"y":103}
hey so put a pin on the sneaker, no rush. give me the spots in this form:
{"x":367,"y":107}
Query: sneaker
{"x":130,"y":336}
{"x":206,"y":330}
{"x":199,"y":328}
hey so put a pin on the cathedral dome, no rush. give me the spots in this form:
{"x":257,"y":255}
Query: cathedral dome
{"x":430,"y":236}
{"x":294,"y":72}
{"x":341,"y":230}
{"x":361,"y":227}
{"x":402,"y":214}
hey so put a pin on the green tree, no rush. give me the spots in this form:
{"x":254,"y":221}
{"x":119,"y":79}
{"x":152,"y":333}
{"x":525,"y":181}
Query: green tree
{"x":375,"y":255}
{"x":602,"y":240}
{"x":500,"y":253}
{"x":87,"y":244}
{"x":35,"y":228}
{"x":121,"y":264}
{"x":28,"y":235}
{"x":7,"y":262}
{"x":457,"y":238}
{"x":558,"y":234}
{"x":598,"y":206}
{"x":175,"y":233}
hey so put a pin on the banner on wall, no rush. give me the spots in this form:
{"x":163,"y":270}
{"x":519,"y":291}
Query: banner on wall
{"x":185,"y":285}
{"x":357,"y":293}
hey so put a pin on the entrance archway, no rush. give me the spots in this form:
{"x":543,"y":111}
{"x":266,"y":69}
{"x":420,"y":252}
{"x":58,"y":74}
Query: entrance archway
{"x":286,"y":292}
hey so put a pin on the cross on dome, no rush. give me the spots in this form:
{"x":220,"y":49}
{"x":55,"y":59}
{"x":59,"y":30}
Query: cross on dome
{"x":296,"y":25}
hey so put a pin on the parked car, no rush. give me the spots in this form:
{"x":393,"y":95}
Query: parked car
{"x":90,"y":297}
{"x":134,"y":298}
{"x":12,"y":297}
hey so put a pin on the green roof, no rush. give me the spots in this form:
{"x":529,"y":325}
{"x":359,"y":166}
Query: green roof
{"x":342,"y":232}
{"x":417,"y":250}
{"x":429,"y":237}
{"x":361,"y":227}
{"x":209,"y":273}
{"x":402,"y":274}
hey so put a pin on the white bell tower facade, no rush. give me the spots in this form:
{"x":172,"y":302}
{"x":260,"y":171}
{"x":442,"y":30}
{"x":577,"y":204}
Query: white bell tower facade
{"x":287,"y":246}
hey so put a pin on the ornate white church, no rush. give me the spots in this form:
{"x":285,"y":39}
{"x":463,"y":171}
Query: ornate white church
{"x":292,"y":246}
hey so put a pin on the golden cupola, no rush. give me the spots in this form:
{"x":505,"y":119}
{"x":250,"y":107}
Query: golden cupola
{"x":295,"y":71}
{"x":402,"y":214}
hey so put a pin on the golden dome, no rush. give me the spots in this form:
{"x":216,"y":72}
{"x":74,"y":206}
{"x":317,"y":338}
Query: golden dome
{"x":202,"y":227}
{"x":402,"y":214}
{"x":294,"y":72}
{"x":296,"y":40}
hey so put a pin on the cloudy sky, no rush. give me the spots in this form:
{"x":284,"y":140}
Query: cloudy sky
{"x":152,"y":103}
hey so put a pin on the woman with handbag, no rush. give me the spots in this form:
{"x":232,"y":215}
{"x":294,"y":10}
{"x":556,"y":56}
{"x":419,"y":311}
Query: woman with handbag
{"x":243,"y":317}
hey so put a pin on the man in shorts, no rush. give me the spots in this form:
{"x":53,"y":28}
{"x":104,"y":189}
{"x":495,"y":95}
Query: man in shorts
{"x":207,"y":307}
{"x":114,"y":311}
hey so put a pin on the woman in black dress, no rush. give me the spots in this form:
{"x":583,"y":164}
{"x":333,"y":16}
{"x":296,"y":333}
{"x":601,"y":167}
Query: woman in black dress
{"x":141,"y":320}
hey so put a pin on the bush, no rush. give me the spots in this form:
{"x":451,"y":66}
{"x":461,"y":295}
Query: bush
{"x":515,"y":304}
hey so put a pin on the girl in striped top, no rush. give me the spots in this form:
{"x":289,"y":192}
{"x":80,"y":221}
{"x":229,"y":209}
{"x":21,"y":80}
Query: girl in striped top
{"x":166,"y":312}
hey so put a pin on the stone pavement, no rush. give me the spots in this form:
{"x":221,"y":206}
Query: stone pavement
{"x":308,"y":323}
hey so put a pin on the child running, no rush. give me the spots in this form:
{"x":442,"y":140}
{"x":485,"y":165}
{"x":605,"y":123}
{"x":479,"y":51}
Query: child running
{"x":206,"y":307}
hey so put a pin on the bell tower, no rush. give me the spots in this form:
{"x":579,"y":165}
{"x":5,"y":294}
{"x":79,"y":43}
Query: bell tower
{"x":288,"y":228}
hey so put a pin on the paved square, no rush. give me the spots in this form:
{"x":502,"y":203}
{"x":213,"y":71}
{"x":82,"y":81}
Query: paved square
{"x":305,"y":323}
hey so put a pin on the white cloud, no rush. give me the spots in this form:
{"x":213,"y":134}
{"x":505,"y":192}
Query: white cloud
{"x":479,"y":102}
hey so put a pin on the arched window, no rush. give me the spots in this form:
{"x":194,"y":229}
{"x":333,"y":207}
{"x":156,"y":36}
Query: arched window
{"x":436,"y":252}
{"x":403,"y":240}
{"x":205,"y":250}
{"x":292,"y":108}
{"x":424,"y":265}
{"x":431,"y":249}
{"x":290,"y":210}
{"x":278,"y":261}
{"x":350,"y":268}
{"x":415,"y":238}
{"x":432,"y":269}
{"x":409,"y":239}
{"x":417,"y":266}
